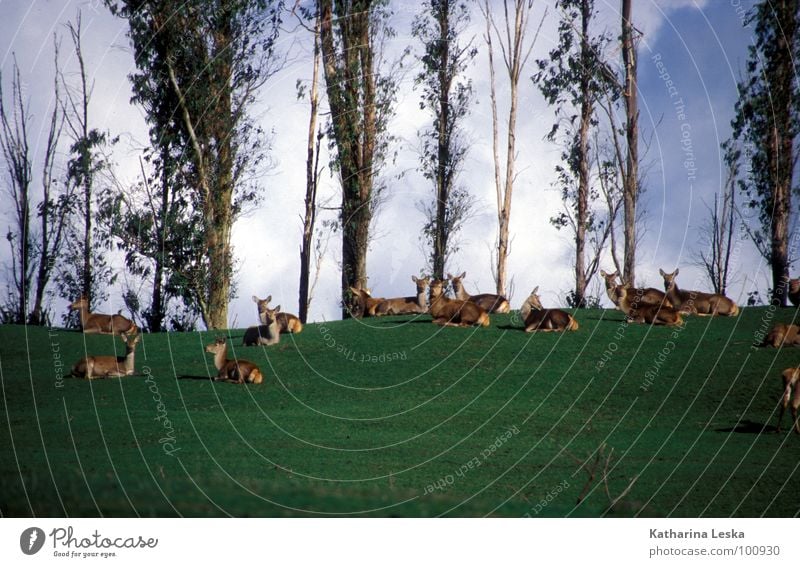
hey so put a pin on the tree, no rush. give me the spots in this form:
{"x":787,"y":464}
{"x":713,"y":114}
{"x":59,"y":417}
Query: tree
{"x":35,"y":244}
{"x":84,"y":270}
{"x":314,"y":140}
{"x":573,"y":78}
{"x":448,"y":97}
{"x":360,"y":100}
{"x":213,"y":55}
{"x":515,"y":54}
{"x":766,"y":124}
{"x":630,"y":180}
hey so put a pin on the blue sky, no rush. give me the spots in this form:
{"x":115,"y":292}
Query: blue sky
{"x":702,"y":45}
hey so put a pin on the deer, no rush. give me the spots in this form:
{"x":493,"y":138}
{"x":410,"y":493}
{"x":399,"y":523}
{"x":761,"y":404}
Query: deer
{"x":99,"y":324}
{"x":366,"y":303}
{"x":703,"y":304}
{"x":233,"y":371}
{"x":406,"y":305}
{"x":791,"y":393}
{"x":782,"y":334}
{"x":454,"y":312}
{"x":646,"y":294}
{"x":267,"y":334}
{"x":537,"y":318}
{"x":489,"y":302}
{"x":287,"y":322}
{"x":91,"y":367}
{"x":794,"y":291}
{"x":650,"y":313}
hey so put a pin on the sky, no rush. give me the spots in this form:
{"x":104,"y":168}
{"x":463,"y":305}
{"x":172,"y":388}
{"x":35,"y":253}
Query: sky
{"x":700,"y":47}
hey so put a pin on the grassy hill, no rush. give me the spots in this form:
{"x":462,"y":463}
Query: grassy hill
{"x":398,"y":417}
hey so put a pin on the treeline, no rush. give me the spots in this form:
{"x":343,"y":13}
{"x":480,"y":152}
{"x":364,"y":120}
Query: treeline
{"x":200,"y":66}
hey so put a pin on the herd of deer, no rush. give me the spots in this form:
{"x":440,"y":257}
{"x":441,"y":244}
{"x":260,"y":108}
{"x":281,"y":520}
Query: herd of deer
{"x":640,"y":305}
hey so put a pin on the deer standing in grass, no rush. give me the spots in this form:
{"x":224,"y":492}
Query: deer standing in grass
{"x":406,"y":305}
{"x":537,"y":318}
{"x":267,"y":334}
{"x":702,"y":303}
{"x":99,"y":324}
{"x":234,"y":371}
{"x":791,"y":394}
{"x":287,"y":322}
{"x":645,"y":294}
{"x":91,"y":367}
{"x":366,"y":303}
{"x":454,"y":312}
{"x":489,"y":302}
{"x":639,"y":312}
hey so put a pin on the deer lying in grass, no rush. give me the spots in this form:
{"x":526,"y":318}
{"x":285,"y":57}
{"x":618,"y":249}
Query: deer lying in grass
{"x":701,"y":303}
{"x":287,"y":322}
{"x":638,"y":312}
{"x":791,"y":393}
{"x":489,"y":302}
{"x":366,"y":303}
{"x":649,"y":295}
{"x":234,"y":371}
{"x":267,"y":334}
{"x":454,"y":312}
{"x":537,"y":318}
{"x":91,"y":367}
{"x":97,"y":323}
{"x":406,"y":305}
{"x":794,"y":291}
{"x":782,"y":334}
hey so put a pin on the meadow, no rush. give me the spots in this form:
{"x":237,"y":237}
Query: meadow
{"x":398,"y":417}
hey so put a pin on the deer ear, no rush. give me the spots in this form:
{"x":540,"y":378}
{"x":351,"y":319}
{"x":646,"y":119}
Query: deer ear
{"x":463,"y":275}
{"x":603,"y":273}
{"x":660,"y":271}
{"x":677,"y":270}
{"x":414,"y":279}
{"x":278,"y":308}
{"x":536,"y":289}
{"x":256,"y":299}
{"x":449,"y":276}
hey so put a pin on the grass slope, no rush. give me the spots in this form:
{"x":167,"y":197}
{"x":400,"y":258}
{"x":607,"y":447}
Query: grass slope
{"x":398,"y":417}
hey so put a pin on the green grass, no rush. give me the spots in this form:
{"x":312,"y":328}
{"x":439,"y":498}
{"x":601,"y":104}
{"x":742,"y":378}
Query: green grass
{"x":454,"y":422}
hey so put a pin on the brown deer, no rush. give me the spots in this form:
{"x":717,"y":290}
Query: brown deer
{"x":287,"y":322}
{"x":782,"y":334}
{"x":234,"y":371}
{"x":91,"y":367}
{"x":646,"y":294}
{"x":365,"y":302}
{"x":649,"y":313}
{"x":97,"y":323}
{"x":489,"y":302}
{"x":794,"y":291}
{"x":406,"y":305}
{"x":791,"y":393}
{"x":454,"y":312}
{"x":267,"y":334}
{"x":702,"y":303}
{"x":537,"y":318}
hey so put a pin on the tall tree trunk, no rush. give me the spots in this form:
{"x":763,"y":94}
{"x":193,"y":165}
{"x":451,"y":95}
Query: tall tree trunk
{"x":311,"y":185}
{"x":583,"y":158}
{"x":630,"y":183}
{"x":443,"y":149}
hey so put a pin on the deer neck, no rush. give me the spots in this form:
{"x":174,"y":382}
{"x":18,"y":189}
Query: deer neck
{"x":129,"y":355}
{"x":220,"y":357}
{"x":422,"y":299}
{"x":461,"y":293}
{"x":83,"y":313}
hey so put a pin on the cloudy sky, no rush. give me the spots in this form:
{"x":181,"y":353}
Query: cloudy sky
{"x":701,"y":45}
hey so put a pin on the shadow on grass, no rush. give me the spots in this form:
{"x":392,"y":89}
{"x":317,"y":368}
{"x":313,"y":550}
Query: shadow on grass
{"x":190,"y":377}
{"x":749,"y":427}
